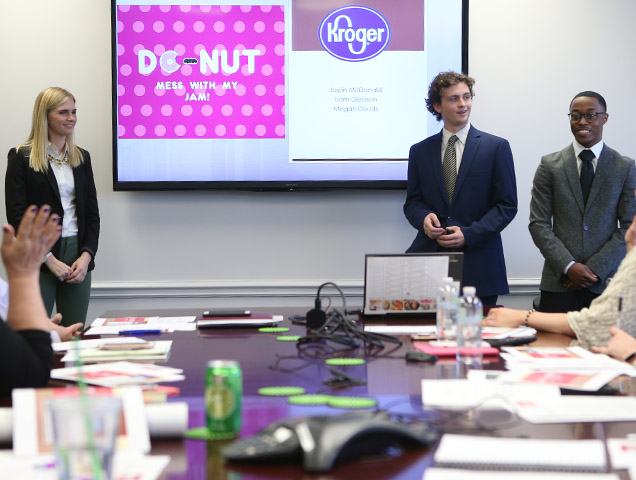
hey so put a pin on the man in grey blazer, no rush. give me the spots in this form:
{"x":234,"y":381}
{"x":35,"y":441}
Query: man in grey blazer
{"x":582,"y":204}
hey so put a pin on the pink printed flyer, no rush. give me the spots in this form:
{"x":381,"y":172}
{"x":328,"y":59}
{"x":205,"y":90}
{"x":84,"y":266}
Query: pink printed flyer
{"x":200,"y":71}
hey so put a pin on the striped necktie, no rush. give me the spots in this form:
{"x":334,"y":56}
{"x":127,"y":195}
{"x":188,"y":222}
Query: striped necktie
{"x":449,"y":167}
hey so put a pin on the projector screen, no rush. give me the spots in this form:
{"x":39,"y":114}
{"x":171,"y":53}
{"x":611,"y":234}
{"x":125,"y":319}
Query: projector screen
{"x":279,"y":94}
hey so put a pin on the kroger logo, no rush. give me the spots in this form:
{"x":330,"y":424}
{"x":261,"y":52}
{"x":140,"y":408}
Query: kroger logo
{"x":354,"y":33}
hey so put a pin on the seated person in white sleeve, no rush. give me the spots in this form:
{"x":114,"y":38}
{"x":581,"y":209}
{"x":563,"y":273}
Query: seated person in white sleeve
{"x":58,"y":332}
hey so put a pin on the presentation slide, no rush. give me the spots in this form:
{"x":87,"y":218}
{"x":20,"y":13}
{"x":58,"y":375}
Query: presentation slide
{"x":276,"y":91}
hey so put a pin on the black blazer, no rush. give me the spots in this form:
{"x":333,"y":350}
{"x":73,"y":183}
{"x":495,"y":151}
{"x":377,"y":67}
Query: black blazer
{"x":24,"y":186}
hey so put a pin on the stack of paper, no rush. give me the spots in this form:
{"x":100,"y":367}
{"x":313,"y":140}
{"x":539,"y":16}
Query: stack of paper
{"x":115,"y":326}
{"x":581,"y":379}
{"x":254,"y":320}
{"x":489,"y":333}
{"x":492,"y":333}
{"x":96,"y":343}
{"x":152,"y":351}
{"x":562,"y":358}
{"x":570,"y":367}
{"x":117,"y":374}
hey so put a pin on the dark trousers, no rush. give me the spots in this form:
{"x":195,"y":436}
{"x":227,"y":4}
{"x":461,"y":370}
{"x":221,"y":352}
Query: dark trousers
{"x":489,"y":301}
{"x":563,"y":302}
{"x":70,"y":299}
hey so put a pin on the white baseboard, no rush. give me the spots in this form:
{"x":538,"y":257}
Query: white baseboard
{"x":251,"y":289}
{"x":238,"y":294}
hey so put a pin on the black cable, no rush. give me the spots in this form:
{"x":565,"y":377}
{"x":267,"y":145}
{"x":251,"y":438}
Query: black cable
{"x":342,"y":295}
{"x":338,"y":329}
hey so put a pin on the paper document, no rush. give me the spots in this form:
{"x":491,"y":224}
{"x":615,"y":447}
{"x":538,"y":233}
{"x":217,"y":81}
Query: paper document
{"x":463,"y":394}
{"x":583,"y":380}
{"x":578,"y":408}
{"x":563,"y":358}
{"x":42,"y":467}
{"x":402,"y":329}
{"x":483,"y":453}
{"x":94,"y":343}
{"x":622,"y":453}
{"x":456,"y":474}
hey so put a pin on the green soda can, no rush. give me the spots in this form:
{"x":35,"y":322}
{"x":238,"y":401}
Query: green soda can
{"x":223,"y":396}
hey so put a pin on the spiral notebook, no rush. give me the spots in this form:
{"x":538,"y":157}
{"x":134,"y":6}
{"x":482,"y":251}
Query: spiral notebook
{"x":488,"y":453}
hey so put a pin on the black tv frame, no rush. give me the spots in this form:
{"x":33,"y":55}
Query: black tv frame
{"x":252,"y":185}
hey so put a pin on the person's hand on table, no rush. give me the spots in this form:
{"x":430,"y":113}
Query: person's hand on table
{"x":504,"y":317}
{"x":65,"y":333}
{"x":620,"y":346}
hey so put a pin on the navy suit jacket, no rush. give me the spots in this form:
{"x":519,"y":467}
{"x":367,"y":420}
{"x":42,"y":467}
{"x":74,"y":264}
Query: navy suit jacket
{"x":484,"y":203}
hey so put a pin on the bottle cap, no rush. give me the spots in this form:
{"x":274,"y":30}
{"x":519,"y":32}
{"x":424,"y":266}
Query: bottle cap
{"x":447,"y":280}
{"x":469,"y":291}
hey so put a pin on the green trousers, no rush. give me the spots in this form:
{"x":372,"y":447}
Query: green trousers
{"x":70,"y":299}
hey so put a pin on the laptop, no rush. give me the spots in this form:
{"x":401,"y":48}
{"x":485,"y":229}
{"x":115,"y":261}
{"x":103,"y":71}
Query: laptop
{"x":407,"y":284}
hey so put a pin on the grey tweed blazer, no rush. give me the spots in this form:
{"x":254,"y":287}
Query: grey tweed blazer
{"x":565,"y":229}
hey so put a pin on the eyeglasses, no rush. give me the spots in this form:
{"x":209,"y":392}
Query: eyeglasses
{"x":589,"y":117}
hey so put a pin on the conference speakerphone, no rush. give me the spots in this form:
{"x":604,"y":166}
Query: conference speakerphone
{"x":321,"y":441}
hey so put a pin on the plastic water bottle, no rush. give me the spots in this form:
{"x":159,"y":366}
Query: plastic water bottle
{"x":447,"y":304}
{"x":469,"y":318}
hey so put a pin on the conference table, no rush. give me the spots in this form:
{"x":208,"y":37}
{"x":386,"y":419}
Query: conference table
{"x":389,"y":379}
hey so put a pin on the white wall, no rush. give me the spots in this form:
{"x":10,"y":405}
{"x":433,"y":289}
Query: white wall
{"x":172,"y":249}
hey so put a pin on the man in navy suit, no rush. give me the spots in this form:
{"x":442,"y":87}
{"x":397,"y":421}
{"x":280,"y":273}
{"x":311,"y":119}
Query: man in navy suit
{"x":461,"y":190}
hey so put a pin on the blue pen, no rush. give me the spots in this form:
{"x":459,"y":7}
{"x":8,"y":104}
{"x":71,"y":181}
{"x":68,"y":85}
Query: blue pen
{"x":140,"y":332}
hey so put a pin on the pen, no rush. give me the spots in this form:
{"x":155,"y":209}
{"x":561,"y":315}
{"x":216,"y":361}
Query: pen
{"x":46,"y":465}
{"x":140,"y":332}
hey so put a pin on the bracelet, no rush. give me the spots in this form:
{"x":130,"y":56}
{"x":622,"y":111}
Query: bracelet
{"x":630,"y":358}
{"x":530,"y":312}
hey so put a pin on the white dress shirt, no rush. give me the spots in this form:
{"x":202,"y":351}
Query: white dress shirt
{"x":66,"y":185}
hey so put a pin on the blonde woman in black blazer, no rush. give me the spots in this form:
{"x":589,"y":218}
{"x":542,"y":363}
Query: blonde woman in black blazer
{"x":50,"y":169}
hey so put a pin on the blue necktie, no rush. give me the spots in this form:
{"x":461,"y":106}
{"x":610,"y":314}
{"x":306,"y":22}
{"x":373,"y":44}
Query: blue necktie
{"x":587,"y":172}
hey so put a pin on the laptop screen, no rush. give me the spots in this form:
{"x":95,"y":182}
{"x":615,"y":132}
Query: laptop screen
{"x":407,"y":284}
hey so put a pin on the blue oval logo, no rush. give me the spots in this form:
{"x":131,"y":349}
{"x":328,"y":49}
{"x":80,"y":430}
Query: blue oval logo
{"x":354,"y":33}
